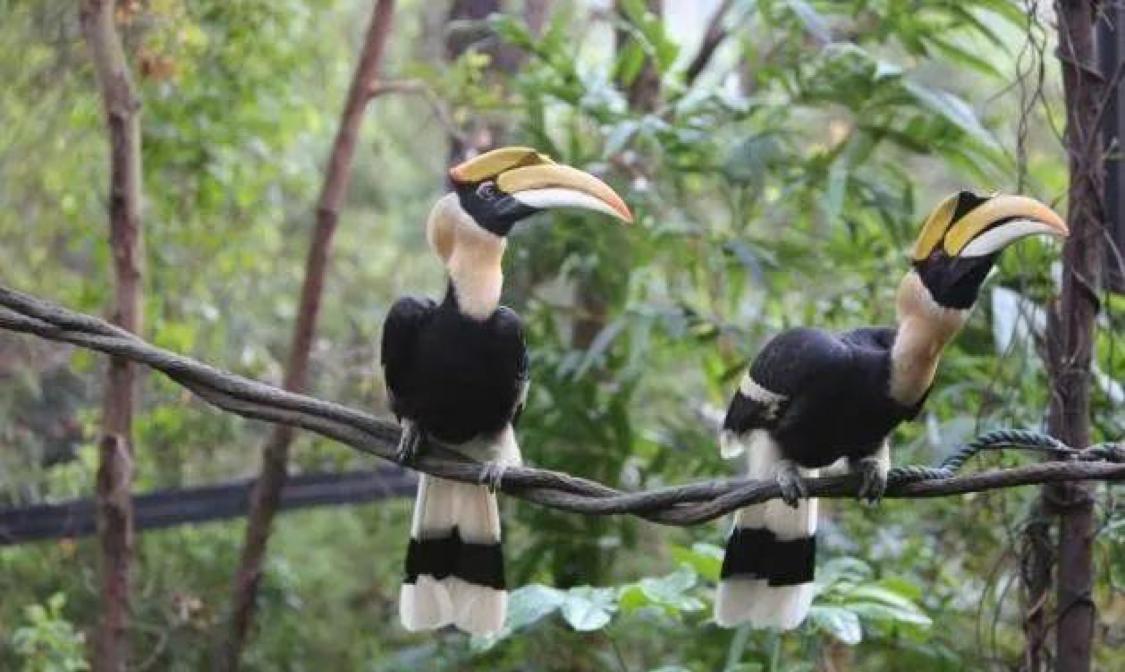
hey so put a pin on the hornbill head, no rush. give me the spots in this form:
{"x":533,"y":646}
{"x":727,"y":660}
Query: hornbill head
{"x":965,"y":234}
{"x":501,"y":187}
{"x":468,"y":228}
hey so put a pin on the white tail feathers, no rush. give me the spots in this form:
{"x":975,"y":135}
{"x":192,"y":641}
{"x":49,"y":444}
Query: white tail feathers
{"x":431,"y":603}
{"x":770,"y":550}
{"x":454,"y":568}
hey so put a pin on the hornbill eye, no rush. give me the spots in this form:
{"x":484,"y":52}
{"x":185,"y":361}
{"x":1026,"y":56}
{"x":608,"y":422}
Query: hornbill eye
{"x":487,"y":191}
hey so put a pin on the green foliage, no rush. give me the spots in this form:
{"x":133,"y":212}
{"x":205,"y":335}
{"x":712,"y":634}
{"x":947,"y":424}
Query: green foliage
{"x":848,"y":604}
{"x":48,"y":642}
{"x":781,"y":188}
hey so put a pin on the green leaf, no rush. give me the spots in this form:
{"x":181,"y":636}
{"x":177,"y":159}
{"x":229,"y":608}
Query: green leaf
{"x":629,"y":63}
{"x":586,"y":608}
{"x":512,"y":31}
{"x":952,"y":108}
{"x":838,"y":622}
{"x":876,"y":612}
{"x":669,"y":591}
{"x":966,"y":58}
{"x":751,"y":159}
{"x":876,"y":593}
{"x":811,"y":19}
{"x":532,"y":603}
{"x":705,"y":559}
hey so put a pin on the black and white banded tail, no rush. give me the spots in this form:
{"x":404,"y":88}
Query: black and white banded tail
{"x":767,"y":572}
{"x":454,"y":564}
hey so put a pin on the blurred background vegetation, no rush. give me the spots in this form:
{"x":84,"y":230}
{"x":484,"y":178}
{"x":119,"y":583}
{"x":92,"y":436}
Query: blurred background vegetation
{"x":778,"y":185}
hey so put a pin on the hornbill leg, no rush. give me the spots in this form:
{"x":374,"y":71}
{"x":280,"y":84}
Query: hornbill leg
{"x":790,"y":482}
{"x":409,"y":442}
{"x":492,"y":474}
{"x":874,"y":469}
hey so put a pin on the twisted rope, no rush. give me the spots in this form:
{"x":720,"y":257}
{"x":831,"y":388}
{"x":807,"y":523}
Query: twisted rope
{"x":679,"y":505}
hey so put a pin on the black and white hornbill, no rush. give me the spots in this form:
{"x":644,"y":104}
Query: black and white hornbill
{"x":812,"y":398}
{"x":457,"y":376}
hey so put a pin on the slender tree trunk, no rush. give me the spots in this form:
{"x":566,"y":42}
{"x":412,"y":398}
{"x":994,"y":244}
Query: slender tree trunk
{"x":275,"y":454}
{"x":535,"y":15}
{"x":1070,"y":334}
{"x":466,"y":29}
{"x":643,"y":93}
{"x":115,"y":468}
{"x":1038,"y":561}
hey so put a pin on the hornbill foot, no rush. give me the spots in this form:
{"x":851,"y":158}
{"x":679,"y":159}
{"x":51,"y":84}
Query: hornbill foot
{"x":791,"y":484}
{"x":409,"y":443}
{"x":874,"y":483}
{"x":492,"y":475}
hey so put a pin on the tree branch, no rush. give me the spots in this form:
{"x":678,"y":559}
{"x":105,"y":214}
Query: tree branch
{"x":679,"y":505}
{"x":1070,"y":335}
{"x":713,"y":36}
{"x":115,"y":449}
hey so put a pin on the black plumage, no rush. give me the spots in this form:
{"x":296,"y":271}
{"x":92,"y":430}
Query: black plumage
{"x":458,"y":378}
{"x":834,"y":395}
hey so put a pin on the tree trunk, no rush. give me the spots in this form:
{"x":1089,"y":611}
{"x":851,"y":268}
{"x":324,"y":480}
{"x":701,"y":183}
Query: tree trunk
{"x":466,"y":29}
{"x":535,"y":15}
{"x":1070,"y":334}
{"x":115,"y":451}
{"x":275,"y":454}
{"x":643,"y":93}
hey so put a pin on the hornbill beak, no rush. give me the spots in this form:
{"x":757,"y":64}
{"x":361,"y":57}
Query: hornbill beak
{"x":516,"y":181}
{"x":557,"y":186}
{"x":963,"y":238}
{"x":965,"y":225}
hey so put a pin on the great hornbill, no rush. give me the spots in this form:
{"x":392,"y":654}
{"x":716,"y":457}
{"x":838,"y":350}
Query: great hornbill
{"x":457,"y":377}
{"x":812,"y":398}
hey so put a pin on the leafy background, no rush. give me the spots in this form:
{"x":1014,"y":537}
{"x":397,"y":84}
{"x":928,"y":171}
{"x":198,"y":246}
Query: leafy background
{"x":781,"y":187}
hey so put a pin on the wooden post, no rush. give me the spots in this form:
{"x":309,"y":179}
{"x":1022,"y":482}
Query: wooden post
{"x":1111,"y":51}
{"x":115,"y":452}
{"x":1070,"y":330}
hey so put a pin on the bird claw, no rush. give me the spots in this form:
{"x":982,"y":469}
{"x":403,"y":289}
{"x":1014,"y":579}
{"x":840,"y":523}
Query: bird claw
{"x":791,"y":484}
{"x":874,"y":484}
{"x":492,"y":475}
{"x":409,"y":444}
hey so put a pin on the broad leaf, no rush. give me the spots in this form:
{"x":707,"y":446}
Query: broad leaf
{"x":587,"y":608}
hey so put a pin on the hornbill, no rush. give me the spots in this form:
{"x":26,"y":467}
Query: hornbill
{"x":811,"y":398}
{"x":457,"y":377}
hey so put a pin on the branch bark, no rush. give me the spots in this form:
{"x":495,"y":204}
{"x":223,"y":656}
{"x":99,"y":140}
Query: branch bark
{"x":467,"y":28}
{"x":713,"y":36}
{"x":115,"y":450}
{"x":1070,"y":341}
{"x":275,"y":454}
{"x":679,"y":505}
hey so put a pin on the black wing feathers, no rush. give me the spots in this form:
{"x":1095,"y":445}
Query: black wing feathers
{"x":745,"y":414}
{"x":457,"y":377}
{"x":401,"y":330}
{"x":792,"y":364}
{"x":510,"y":332}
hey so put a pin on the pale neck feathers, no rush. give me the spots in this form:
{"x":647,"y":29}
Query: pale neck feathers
{"x":471,"y":254}
{"x":924,"y":329}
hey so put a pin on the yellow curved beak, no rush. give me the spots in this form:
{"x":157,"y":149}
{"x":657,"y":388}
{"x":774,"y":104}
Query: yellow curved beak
{"x":988,"y":228}
{"x":978,"y":233}
{"x":553,"y":185}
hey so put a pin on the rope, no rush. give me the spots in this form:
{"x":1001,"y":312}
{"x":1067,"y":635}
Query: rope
{"x":679,"y":505}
